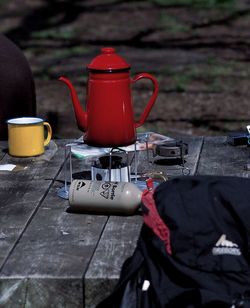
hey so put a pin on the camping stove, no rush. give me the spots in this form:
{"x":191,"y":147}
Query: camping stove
{"x":114,"y":166}
{"x":121,"y":165}
{"x":111,"y":167}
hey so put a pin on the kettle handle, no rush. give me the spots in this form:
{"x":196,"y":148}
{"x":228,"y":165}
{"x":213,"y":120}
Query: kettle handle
{"x":152,"y":98}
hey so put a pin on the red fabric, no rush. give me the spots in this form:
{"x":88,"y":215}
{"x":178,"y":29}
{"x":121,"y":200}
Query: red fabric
{"x":153,"y":220}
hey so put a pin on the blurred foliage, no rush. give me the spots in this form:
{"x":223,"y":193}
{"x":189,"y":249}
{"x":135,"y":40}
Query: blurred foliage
{"x":3,"y":2}
{"x":53,"y":34}
{"x":173,"y":24}
{"x":206,"y":4}
{"x":210,"y":74}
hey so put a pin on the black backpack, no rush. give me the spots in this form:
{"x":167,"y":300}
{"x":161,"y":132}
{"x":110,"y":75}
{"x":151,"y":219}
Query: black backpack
{"x":194,"y":247}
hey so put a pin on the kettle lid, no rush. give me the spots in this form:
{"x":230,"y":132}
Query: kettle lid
{"x":109,"y":61}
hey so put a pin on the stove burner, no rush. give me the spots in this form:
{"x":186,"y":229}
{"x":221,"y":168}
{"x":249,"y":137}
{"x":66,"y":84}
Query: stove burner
{"x":110,"y":168}
{"x":171,"y":150}
{"x":105,"y":161}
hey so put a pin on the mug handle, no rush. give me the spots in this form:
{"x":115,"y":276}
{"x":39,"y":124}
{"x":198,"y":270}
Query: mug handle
{"x":49,"y":133}
{"x":152,"y":98}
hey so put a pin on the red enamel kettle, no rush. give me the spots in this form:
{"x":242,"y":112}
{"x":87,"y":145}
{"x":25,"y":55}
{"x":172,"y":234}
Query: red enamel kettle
{"x":109,"y":120}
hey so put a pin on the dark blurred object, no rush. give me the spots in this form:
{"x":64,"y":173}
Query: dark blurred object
{"x":52,"y":118}
{"x":171,"y":149}
{"x":17,"y":89}
{"x":172,"y":152}
{"x":238,"y":138}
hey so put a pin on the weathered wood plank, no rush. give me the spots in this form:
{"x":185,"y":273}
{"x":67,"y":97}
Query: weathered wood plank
{"x":56,"y":245}
{"x":36,"y":292}
{"x":21,"y":193}
{"x":54,"y":292}
{"x":220,"y":158}
{"x":12,"y":292}
{"x":116,"y":245}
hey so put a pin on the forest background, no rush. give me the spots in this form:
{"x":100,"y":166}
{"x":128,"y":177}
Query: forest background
{"x":197,"y":49}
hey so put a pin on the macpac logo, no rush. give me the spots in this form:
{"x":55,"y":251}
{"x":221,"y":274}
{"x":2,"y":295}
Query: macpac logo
{"x":225,"y":247}
{"x":80,"y":185}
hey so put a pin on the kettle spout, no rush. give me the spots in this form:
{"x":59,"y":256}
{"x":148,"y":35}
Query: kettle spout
{"x":80,"y":114}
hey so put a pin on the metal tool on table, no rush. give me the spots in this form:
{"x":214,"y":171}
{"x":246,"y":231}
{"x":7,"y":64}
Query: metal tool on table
{"x":172,"y":151}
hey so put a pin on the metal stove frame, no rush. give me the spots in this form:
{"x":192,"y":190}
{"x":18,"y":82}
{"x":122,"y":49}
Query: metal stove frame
{"x":68,"y":169}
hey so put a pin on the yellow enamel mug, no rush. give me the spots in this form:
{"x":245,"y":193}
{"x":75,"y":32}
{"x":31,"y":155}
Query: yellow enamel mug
{"x":26,"y":136}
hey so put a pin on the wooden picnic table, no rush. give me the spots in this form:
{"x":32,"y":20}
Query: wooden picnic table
{"x":50,"y":257}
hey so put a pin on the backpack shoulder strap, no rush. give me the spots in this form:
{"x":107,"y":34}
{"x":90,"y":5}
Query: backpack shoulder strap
{"x":152,"y":218}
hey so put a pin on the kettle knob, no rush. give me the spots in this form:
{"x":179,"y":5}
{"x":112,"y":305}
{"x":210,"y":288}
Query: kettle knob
{"x":107,"y":50}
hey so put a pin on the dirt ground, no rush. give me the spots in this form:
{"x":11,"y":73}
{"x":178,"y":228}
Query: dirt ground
{"x":198,"y":51}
